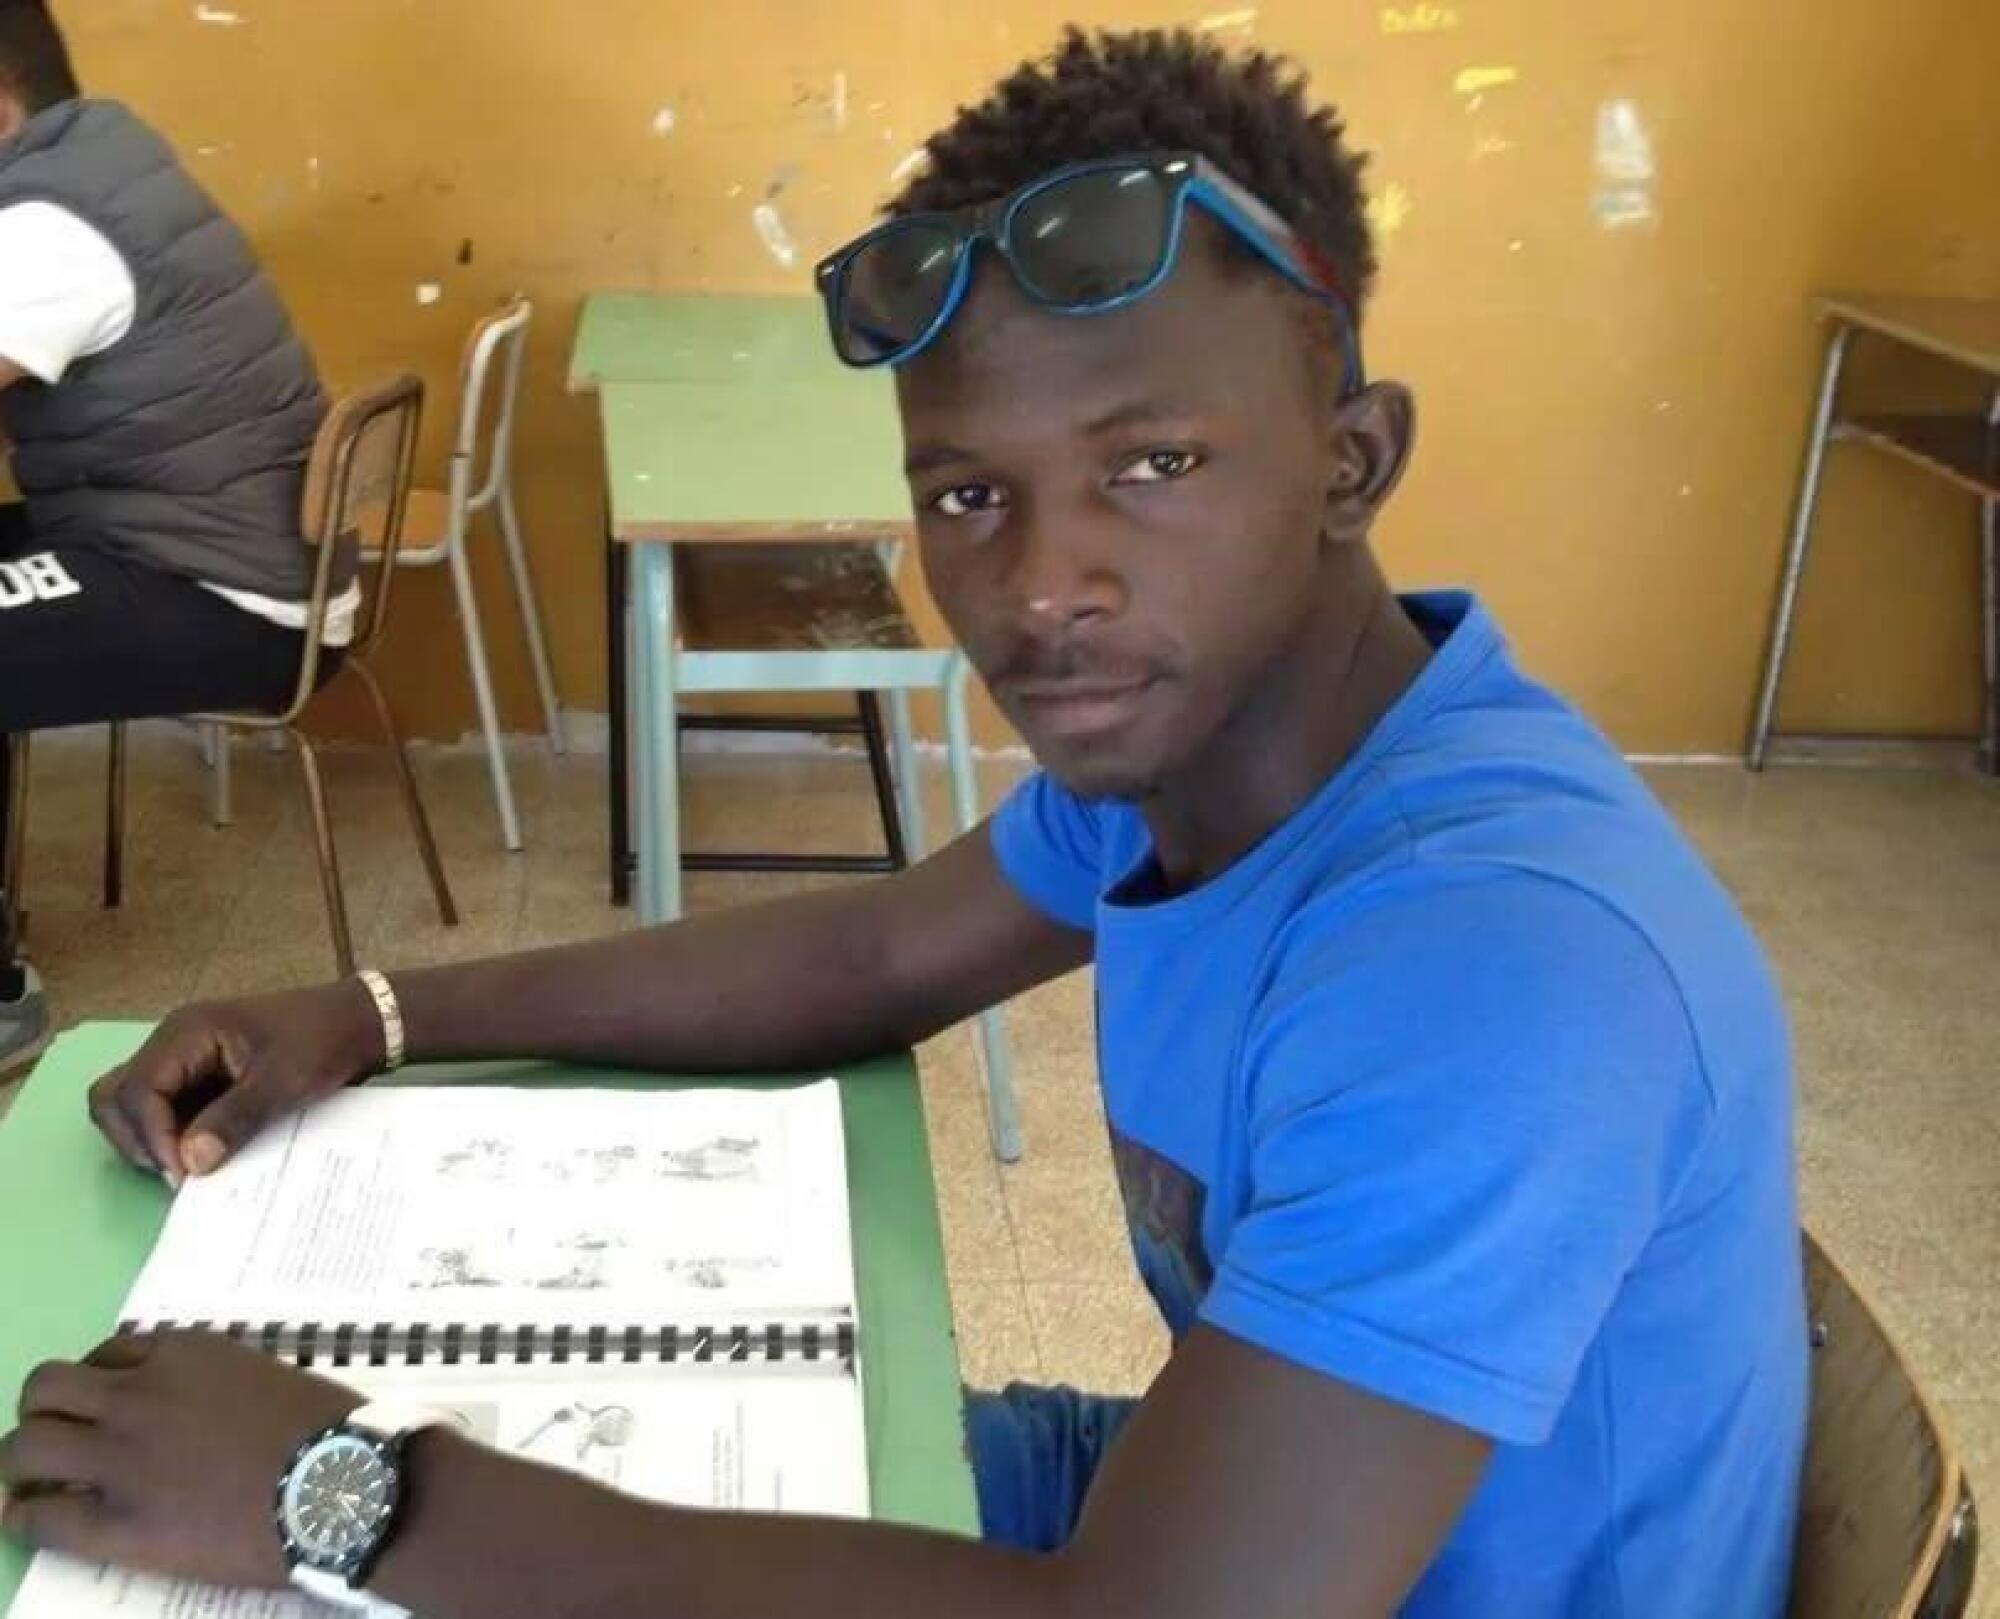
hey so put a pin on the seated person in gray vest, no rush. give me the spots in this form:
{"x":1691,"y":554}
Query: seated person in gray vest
{"x":161,"y":412}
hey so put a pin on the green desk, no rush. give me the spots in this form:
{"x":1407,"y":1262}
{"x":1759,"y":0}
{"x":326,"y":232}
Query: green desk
{"x":698,"y":337}
{"x":734,"y":345}
{"x":76,"y":1225}
{"x":727,"y":419}
{"x":708,"y":461}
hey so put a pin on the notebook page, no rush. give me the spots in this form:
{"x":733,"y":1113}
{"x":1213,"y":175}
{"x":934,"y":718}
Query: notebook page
{"x":499,"y":1206}
{"x":758,"y":1438}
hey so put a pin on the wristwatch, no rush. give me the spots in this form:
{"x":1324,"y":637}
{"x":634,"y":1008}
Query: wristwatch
{"x":340,"y":1501}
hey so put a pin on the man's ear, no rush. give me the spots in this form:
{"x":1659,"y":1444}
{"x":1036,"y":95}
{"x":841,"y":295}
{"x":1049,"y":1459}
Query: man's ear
{"x":1372,"y":435}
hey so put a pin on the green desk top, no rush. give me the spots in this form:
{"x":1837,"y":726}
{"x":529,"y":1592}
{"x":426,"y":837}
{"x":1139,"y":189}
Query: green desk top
{"x":700,"y":337}
{"x":76,"y":1225}
{"x":786,"y":460}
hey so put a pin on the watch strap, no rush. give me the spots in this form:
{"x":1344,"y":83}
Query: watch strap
{"x":394,"y":1419}
{"x":336,"y":1592}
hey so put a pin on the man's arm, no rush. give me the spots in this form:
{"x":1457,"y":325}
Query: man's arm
{"x":803,"y":982}
{"x":1243,"y":1485}
{"x":800,"y":982}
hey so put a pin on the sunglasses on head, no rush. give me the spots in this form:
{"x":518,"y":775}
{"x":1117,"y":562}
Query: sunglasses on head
{"x":1089,"y":237}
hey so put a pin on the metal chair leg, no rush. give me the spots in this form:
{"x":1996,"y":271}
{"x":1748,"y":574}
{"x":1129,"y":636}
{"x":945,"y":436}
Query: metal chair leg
{"x":13,"y":857}
{"x":329,"y":860}
{"x":412,"y":803}
{"x":1003,"y":1109}
{"x":482,"y":693}
{"x":530,"y":605}
{"x":1989,"y":607}
{"x":1801,"y":537}
{"x":877,"y":741}
{"x":1989,"y":573}
{"x":217,"y":748}
{"x":114,"y":819}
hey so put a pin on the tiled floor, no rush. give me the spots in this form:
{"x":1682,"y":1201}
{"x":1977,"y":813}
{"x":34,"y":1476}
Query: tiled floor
{"x":1877,"y":892}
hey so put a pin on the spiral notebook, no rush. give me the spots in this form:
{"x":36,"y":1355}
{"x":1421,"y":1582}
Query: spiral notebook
{"x":655,"y":1289}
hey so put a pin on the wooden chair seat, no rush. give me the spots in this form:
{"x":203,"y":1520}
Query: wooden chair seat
{"x":1886,"y":1528}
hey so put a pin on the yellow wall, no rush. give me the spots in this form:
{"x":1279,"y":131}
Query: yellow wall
{"x":1611,"y":413}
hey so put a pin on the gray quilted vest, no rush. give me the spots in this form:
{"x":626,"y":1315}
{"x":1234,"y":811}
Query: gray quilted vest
{"x":183,"y":445}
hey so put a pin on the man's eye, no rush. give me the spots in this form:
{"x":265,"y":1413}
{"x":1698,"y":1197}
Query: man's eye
{"x":1159,"y":466}
{"x":966,"y":499}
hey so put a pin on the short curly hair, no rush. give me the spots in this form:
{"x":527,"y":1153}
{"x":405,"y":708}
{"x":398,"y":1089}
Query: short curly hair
{"x":1108,"y":94}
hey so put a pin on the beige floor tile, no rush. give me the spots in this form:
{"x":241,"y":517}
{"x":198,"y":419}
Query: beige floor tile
{"x":1104,"y":1337}
{"x":1068,"y":1219}
{"x":996,"y":1341}
{"x":1951,"y":1335}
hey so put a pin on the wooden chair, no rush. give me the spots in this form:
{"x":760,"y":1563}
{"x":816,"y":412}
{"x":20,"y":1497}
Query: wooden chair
{"x":1887,"y":1528}
{"x":356,"y":496}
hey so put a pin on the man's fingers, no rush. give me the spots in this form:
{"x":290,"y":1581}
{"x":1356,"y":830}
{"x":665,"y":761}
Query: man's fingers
{"x":49,"y":1453}
{"x":109,"y":1117}
{"x":122,"y":1353}
{"x":229,"y":1123}
{"x":137,"y":1106}
{"x":152,"y":1118}
{"x":74,"y":1523}
{"x":60,"y":1389}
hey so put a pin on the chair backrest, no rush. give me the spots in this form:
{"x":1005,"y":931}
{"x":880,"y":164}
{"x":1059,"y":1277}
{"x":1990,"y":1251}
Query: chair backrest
{"x":357,"y":490}
{"x":490,"y":384}
{"x":1882,"y":1485}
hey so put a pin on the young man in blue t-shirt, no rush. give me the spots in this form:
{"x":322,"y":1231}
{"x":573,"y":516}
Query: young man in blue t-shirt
{"x":1449,"y":1095}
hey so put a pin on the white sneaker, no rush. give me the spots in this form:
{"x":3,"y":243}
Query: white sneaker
{"x":24,"y":1027}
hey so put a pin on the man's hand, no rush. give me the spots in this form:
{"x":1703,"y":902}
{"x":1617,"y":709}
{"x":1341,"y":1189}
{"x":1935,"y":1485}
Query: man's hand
{"x":211,"y":1077}
{"x":162,"y":1453}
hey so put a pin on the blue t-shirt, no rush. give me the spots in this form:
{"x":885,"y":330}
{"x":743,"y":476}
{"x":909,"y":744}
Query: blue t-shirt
{"x":1468,"y":1086}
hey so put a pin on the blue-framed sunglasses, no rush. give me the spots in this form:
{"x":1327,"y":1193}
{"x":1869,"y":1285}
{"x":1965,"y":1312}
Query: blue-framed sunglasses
{"x":1092,"y":236}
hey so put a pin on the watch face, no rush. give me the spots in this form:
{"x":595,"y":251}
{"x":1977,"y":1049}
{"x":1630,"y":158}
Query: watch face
{"x":337,"y":1500}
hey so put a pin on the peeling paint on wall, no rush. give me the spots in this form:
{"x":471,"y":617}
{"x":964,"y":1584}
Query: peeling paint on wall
{"x":217,"y":17}
{"x":1389,"y":209}
{"x":1422,"y":18}
{"x":1622,"y":155}
{"x":429,"y":292}
{"x":1472,"y":81}
{"x":908,"y":165}
{"x":1243,"y":21}
{"x":836,"y":104}
{"x":775,"y":234}
{"x":772,"y":230}
{"x":664,"y":121}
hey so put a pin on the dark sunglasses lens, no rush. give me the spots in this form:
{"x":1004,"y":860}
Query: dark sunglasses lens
{"x":1089,"y":240}
{"x":892,"y":290}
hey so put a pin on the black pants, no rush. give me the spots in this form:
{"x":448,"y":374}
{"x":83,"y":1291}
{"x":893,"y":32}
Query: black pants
{"x":86,"y":637}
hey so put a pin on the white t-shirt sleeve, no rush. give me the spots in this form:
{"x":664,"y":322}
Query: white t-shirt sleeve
{"x":65,"y":292}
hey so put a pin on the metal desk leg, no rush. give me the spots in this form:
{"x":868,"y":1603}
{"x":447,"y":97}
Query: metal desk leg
{"x":1795,"y":549}
{"x":657,"y":778}
{"x":618,"y":785}
{"x":909,"y":773}
{"x":1003,"y":1110}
